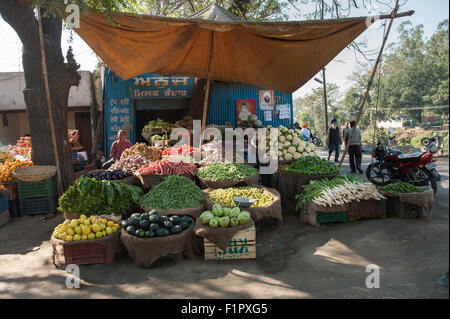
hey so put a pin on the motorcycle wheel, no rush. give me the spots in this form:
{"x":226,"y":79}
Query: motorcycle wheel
{"x":420,"y":177}
{"x":377,"y":175}
{"x":425,"y":141}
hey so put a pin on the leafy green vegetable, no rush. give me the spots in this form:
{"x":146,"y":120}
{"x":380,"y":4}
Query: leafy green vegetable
{"x":312,"y":165}
{"x":400,"y":188}
{"x":174,"y":192}
{"x":93,"y":197}
{"x":224,"y":171}
{"x":316,"y":187}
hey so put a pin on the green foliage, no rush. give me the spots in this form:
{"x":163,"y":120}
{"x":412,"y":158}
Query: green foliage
{"x":91,"y":196}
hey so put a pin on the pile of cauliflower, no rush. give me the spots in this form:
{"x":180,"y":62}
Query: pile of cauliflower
{"x":290,"y":145}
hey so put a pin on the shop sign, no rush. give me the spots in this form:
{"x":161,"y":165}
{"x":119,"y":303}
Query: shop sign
{"x":148,"y":86}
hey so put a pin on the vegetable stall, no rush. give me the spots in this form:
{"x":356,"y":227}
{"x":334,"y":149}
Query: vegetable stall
{"x":158,"y":199}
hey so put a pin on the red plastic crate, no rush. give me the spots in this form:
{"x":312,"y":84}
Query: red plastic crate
{"x":86,"y":254}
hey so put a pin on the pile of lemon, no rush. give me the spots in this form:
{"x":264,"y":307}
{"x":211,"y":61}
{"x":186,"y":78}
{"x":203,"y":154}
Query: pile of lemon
{"x":85,"y":228}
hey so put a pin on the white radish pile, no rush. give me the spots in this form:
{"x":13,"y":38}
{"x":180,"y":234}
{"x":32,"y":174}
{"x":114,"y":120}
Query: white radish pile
{"x":347,"y":193}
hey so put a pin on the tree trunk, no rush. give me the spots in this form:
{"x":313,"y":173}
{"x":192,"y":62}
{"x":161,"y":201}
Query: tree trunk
{"x":61,"y":77}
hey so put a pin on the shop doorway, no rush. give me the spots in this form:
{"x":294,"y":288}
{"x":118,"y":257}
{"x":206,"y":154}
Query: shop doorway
{"x":83,"y":125}
{"x":169,"y":110}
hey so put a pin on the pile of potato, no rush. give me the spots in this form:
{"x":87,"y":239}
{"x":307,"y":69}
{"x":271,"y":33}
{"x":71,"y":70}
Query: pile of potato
{"x":141,"y":149}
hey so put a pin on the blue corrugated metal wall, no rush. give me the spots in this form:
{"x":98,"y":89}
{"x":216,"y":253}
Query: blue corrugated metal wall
{"x":118,"y":109}
{"x":223,"y":103}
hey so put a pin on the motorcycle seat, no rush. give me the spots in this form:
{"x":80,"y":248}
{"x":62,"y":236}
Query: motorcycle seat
{"x":410,"y":156}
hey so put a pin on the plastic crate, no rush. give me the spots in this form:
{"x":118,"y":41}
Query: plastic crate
{"x":44,"y":188}
{"x":325,"y":218}
{"x":41,"y":205}
{"x":4,"y":204}
{"x":85,"y":254}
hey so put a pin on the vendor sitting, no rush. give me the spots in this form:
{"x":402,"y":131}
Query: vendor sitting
{"x":117,"y":148}
{"x":75,"y":147}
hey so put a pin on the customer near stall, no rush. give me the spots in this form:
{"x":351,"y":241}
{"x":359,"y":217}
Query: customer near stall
{"x":334,"y":140}
{"x":75,"y":147}
{"x":354,"y":150}
{"x":344,"y":130}
{"x":117,"y":148}
{"x":306,"y":132}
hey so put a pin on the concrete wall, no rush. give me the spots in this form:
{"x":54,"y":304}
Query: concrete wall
{"x":18,"y":126}
{"x":12,"y":85}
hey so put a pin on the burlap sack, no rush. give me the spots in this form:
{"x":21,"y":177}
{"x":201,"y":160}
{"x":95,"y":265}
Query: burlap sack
{"x":4,"y":217}
{"x":219,"y":236}
{"x":115,"y":218}
{"x":251,"y":181}
{"x":424,"y":199}
{"x":194,"y":212}
{"x":145,"y":251}
{"x":149,"y":180}
{"x":273,"y":210}
{"x":365,"y":209}
{"x":110,"y":242}
{"x":130,"y":180}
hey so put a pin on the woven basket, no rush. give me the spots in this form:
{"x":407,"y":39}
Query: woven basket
{"x":34,"y":173}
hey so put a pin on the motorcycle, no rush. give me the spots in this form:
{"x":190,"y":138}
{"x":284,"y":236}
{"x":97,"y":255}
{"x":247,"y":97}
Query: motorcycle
{"x":316,"y":141}
{"x":434,"y":144}
{"x":391,"y":165}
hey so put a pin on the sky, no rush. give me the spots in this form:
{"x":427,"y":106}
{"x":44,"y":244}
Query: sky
{"x":429,"y":13}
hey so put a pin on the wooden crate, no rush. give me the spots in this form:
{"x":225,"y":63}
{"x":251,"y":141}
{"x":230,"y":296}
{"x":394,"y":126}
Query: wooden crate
{"x":241,"y":246}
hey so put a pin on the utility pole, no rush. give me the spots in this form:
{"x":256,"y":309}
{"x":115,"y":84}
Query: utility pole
{"x":324,"y":85}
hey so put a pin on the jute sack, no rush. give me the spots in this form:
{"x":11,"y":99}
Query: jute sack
{"x":110,"y":242}
{"x":273,"y":210}
{"x":114,"y":217}
{"x":424,"y":199}
{"x":219,"y":236}
{"x":145,"y":251}
{"x":251,"y":181}
{"x":130,"y":180}
{"x":149,"y":180}
{"x":365,"y":209}
{"x":194,"y":212}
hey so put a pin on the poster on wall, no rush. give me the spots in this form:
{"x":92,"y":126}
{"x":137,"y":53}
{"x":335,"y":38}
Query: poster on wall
{"x":284,"y":111}
{"x":245,"y":108}
{"x":266,"y":99}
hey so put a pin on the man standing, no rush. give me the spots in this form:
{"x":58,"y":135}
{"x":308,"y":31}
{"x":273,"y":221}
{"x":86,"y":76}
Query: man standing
{"x":117,"y":148}
{"x":354,"y":150}
{"x":306,"y":132}
{"x":334,"y":140}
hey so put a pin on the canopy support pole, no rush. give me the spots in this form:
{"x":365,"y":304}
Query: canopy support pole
{"x":49,"y":102}
{"x":205,"y":101}
{"x":366,"y":95}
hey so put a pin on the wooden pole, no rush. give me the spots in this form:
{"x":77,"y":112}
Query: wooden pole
{"x":205,"y":101}
{"x":49,"y":104}
{"x":366,"y":95}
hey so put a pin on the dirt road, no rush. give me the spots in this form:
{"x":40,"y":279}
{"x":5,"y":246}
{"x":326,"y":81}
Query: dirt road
{"x":293,"y":261}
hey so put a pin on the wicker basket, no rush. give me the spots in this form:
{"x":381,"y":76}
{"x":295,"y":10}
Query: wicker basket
{"x":34,"y":173}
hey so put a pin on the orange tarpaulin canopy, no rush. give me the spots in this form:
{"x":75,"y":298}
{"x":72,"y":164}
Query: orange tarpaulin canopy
{"x":270,"y":55}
